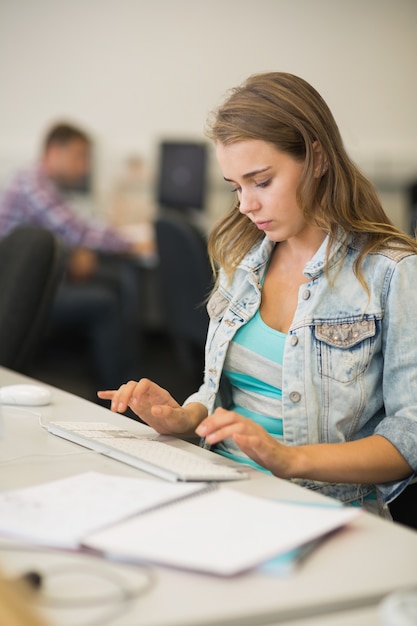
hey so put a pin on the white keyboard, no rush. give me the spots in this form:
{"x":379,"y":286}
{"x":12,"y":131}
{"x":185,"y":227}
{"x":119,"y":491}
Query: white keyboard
{"x":147,"y":453}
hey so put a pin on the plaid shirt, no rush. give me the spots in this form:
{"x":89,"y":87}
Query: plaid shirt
{"x":33,"y":198}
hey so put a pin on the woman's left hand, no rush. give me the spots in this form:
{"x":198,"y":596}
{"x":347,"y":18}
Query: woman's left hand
{"x":251,"y":438}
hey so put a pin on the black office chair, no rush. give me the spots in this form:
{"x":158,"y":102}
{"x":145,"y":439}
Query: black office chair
{"x":185,"y":280}
{"x":31,"y":267}
{"x":404,"y":507}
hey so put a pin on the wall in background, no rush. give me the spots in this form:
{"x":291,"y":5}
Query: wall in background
{"x":134,"y":72}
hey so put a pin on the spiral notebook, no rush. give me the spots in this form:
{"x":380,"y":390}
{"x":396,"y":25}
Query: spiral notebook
{"x":218,"y":531}
{"x":201,"y":527}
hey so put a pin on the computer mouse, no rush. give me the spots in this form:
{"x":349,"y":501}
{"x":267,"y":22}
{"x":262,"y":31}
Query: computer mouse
{"x":25,"y":395}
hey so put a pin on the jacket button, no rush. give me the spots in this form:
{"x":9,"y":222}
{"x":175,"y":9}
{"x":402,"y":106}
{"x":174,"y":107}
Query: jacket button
{"x":306,"y":294}
{"x":295,"y":396}
{"x":294,"y":340}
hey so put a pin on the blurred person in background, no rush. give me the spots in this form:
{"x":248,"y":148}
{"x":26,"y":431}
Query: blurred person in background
{"x":99,"y":294}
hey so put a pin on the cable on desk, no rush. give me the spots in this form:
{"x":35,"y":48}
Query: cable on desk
{"x":41,"y":424}
{"x":24,"y":409}
{"x":45,"y":427}
{"x":41,"y":456}
{"x":123,"y":591}
{"x":115,"y":603}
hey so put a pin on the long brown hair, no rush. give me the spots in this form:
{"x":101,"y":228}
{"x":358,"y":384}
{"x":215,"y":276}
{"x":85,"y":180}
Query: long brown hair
{"x":285,"y":110}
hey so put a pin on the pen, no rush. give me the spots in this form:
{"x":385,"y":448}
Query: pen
{"x":203,"y":444}
{"x":286,"y":562}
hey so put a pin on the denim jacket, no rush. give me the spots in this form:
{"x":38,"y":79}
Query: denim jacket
{"x":350,"y":358}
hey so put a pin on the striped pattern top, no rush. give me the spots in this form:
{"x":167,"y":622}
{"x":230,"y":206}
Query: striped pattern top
{"x":253,"y":367}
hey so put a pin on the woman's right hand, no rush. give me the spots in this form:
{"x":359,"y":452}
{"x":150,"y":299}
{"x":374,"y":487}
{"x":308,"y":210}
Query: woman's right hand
{"x":155,"y":406}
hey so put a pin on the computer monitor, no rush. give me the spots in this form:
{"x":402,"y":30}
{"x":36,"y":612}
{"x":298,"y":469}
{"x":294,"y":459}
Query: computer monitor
{"x":182,"y":175}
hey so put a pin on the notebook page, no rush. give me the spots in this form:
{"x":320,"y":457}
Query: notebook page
{"x":222,"y":532}
{"x":61,"y":512}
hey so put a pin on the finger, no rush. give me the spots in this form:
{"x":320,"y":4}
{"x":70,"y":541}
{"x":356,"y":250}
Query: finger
{"x":143,"y":388}
{"x":121,"y":399}
{"x":216,"y":420}
{"x":223,"y":433}
{"x":106,"y":395}
{"x":148,"y":391}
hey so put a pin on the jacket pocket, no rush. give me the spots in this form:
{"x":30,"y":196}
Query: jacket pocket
{"x":344,"y":348}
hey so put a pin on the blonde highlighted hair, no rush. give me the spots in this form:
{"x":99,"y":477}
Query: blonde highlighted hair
{"x":286,"y":111}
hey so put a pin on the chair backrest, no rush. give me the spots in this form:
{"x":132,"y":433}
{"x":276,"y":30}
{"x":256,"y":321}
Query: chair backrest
{"x":404,"y":508}
{"x":185,"y":278}
{"x":31,"y":267}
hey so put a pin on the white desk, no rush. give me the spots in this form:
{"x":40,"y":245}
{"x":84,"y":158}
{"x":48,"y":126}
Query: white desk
{"x":339,"y":583}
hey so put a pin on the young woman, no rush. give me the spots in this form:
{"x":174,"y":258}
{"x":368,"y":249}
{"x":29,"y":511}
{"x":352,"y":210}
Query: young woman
{"x":311,"y":356}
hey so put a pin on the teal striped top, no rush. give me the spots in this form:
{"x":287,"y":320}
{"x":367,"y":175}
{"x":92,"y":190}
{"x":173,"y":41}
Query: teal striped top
{"x":253,"y":367}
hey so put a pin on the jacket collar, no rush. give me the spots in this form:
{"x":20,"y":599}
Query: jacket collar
{"x":258,"y":256}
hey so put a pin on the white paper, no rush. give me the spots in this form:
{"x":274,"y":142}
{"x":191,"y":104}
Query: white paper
{"x":222,"y":532}
{"x":186,"y":525}
{"x":61,"y":512}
